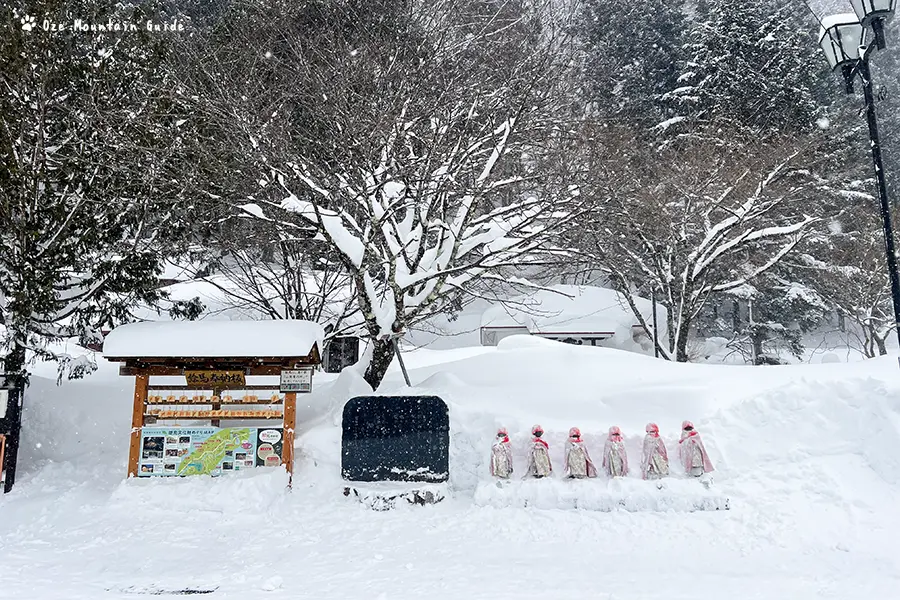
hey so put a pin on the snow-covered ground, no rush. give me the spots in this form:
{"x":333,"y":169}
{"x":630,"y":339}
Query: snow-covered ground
{"x":806,"y":455}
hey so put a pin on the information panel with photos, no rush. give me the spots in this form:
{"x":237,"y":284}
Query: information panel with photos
{"x":179,"y":451}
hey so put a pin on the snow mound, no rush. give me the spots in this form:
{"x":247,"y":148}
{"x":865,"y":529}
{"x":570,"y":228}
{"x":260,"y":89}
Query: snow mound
{"x":835,"y":441}
{"x":386,"y":495}
{"x":805,"y":455}
{"x":632,"y":495}
{"x":773,"y":433}
{"x":349,"y":384}
{"x":254,"y":490}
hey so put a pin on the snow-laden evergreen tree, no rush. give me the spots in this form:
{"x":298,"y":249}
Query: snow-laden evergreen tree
{"x":768,"y":319}
{"x":885,"y":66}
{"x":752,"y":64}
{"x":847,"y":268}
{"x":85,"y":146}
{"x":630,"y":52}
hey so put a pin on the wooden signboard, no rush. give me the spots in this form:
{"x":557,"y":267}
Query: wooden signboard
{"x":214,"y":379}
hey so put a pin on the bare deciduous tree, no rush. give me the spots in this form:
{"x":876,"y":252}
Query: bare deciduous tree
{"x":691,"y":222}
{"x":404,"y":141}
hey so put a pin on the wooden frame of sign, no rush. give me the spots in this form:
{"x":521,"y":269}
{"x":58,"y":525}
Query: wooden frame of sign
{"x":218,"y":375}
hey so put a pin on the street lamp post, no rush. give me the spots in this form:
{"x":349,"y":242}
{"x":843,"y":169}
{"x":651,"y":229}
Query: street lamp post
{"x":843,"y":40}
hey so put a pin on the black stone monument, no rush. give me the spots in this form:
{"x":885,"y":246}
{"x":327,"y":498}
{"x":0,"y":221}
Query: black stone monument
{"x":396,"y":438}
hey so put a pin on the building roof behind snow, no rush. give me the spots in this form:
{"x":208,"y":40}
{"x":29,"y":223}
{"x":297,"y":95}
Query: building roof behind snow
{"x":569,"y":309}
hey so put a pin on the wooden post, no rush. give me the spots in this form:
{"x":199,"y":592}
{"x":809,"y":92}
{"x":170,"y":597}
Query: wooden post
{"x":216,"y":392}
{"x":290,"y":422}
{"x":141,"y":380}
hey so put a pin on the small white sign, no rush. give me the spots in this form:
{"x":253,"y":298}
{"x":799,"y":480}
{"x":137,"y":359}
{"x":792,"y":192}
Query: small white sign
{"x":271,"y":436}
{"x":299,"y":380}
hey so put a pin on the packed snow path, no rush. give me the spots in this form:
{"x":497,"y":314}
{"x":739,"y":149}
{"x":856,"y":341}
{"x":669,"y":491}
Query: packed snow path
{"x":806,"y":454}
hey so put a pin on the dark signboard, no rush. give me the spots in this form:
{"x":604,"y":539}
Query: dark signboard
{"x":396,"y":438}
{"x":341,"y":352}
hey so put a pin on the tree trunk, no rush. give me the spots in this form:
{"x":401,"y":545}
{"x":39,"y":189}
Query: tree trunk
{"x":670,"y":330}
{"x":756,"y":339}
{"x":17,"y":377}
{"x":681,"y":354}
{"x":869,"y":336}
{"x":882,"y":351}
{"x":382,"y":356}
{"x":14,"y":367}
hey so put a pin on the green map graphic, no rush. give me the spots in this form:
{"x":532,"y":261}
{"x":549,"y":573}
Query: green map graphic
{"x":205,"y":459}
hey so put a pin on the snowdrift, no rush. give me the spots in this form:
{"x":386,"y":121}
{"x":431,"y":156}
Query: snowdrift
{"x":806,"y":456}
{"x":627,"y":494}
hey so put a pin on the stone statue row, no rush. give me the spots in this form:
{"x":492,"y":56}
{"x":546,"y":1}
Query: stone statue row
{"x":578,"y":464}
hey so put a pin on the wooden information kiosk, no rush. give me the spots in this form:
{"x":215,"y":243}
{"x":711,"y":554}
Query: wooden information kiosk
{"x":213,"y":359}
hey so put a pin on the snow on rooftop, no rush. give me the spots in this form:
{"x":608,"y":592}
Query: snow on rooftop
{"x":830,"y":21}
{"x":846,"y":18}
{"x":570,"y":309}
{"x":213,"y":339}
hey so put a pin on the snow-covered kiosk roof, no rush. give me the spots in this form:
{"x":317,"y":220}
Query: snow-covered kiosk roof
{"x":568,"y":310}
{"x":190,"y":342}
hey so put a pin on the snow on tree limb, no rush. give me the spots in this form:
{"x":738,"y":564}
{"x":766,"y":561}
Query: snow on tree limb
{"x":693,"y":229}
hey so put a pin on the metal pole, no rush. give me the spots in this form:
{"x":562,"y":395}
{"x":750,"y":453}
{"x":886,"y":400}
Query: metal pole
{"x":753,"y":355}
{"x":890,"y":253}
{"x":400,"y":360}
{"x":655,"y":338}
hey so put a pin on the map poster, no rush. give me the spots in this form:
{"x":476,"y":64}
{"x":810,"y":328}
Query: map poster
{"x":179,"y":451}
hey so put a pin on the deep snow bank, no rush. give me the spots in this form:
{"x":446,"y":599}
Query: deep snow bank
{"x":805,"y":453}
{"x":759,"y":423}
{"x":628,"y":494}
{"x":790,"y":430}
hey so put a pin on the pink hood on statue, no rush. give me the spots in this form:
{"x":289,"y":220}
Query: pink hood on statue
{"x":503,"y":435}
